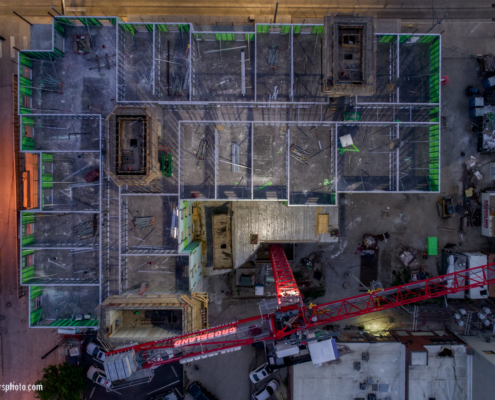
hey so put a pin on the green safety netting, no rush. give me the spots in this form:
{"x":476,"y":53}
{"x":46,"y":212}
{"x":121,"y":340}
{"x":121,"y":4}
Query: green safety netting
{"x":434,"y":68}
{"x":27,"y":218}
{"x":71,"y":322}
{"x":352,"y":116}
{"x":434,"y":150}
{"x":47,"y":181}
{"x":316,"y":29}
{"x":34,"y":291}
{"x":27,"y":274}
{"x":284,"y":29}
{"x":387,"y":39}
{"x":27,"y":143}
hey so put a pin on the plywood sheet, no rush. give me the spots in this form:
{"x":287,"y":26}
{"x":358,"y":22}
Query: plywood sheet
{"x":322,"y":223}
{"x":222,"y":242}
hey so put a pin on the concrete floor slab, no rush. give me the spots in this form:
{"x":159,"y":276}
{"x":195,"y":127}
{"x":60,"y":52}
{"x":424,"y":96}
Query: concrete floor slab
{"x":372,"y":166}
{"x":234,"y":181}
{"x":70,"y":191}
{"x":414,"y":72}
{"x":386,"y":72}
{"x":68,"y":134}
{"x":84,"y":86}
{"x":163,"y":275}
{"x":59,"y":230}
{"x":270,"y":162}
{"x":308,"y":74}
{"x":217,"y":74}
{"x":314,"y":182}
{"x":198,"y":176}
{"x":171,"y":65}
{"x":59,"y":266}
{"x":65,"y":302}
{"x":138,"y":65}
{"x":273,"y":222}
{"x":269,"y":76}
{"x":157,"y":236}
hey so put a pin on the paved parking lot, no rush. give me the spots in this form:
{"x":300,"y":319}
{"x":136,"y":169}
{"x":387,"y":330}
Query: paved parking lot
{"x":227,"y":375}
{"x":166,"y":378}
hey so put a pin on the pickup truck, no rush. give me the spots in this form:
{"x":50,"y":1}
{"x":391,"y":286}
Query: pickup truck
{"x":98,"y":376}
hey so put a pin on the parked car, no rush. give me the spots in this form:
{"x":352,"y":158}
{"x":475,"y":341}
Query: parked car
{"x":95,"y":351}
{"x":266,"y":391}
{"x":198,"y":392}
{"x":260,"y":373}
{"x":98,"y":376}
{"x":165,"y":396}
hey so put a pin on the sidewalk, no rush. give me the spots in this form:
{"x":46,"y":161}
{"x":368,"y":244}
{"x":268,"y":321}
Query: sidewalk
{"x":21,"y":347}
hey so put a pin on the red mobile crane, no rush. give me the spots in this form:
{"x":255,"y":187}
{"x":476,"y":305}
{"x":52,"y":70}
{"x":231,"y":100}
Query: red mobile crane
{"x":290,"y":315}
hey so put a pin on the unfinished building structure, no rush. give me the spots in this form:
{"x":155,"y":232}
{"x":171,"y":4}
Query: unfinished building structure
{"x":125,"y":126}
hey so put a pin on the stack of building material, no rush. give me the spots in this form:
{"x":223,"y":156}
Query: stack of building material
{"x":273,"y":57}
{"x":201,"y":154}
{"x":86,"y":229}
{"x":299,"y":154}
{"x":487,"y":63}
{"x":144,"y":222}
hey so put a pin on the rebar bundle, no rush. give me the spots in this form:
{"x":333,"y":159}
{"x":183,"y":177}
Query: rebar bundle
{"x":273,"y":56}
{"x":299,"y":154}
{"x":201,"y":154}
{"x":48,"y":82}
{"x":85,"y":229}
{"x":176,"y":83}
{"x":143,"y":222}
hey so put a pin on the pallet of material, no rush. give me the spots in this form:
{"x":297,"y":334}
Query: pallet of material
{"x":487,"y":63}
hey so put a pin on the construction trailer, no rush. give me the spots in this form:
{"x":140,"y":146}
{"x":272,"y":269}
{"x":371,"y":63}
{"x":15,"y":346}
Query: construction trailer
{"x":488,"y":214}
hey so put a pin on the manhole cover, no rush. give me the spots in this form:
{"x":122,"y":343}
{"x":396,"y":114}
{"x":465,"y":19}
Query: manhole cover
{"x":8,"y":305}
{"x":2,"y":317}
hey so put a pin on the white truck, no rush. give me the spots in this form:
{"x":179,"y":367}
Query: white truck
{"x":476,"y":260}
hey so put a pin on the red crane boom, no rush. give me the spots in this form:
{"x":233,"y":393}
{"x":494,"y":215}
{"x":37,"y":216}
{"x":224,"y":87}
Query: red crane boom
{"x":288,"y":319}
{"x":285,"y":284}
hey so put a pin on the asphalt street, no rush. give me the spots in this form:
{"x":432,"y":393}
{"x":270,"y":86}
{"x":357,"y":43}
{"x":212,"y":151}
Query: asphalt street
{"x":422,"y":9}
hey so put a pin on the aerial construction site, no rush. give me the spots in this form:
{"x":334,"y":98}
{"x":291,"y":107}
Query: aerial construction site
{"x":187,"y":190}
